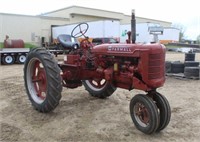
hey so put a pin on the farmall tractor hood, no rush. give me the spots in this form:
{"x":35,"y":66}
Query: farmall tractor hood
{"x":127,"y":49}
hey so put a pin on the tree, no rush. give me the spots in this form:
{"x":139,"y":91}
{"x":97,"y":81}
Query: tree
{"x":198,"y":39}
{"x":182,"y":29}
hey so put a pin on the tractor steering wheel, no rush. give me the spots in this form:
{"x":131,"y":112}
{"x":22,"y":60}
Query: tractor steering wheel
{"x":80,"y":30}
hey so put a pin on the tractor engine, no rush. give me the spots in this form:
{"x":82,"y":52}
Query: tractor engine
{"x":133,"y":66}
{"x":128,"y":66}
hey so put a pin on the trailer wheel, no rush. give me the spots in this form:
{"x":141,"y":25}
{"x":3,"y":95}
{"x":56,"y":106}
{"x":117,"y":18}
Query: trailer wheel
{"x":99,"y":88}
{"x":144,"y":114}
{"x":164,"y":110}
{"x":42,"y":80}
{"x":8,"y":59}
{"x":21,"y":59}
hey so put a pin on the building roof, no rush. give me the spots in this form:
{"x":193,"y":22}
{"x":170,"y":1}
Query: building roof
{"x":35,"y":16}
{"x":78,"y":10}
{"x":91,"y":14}
{"x":81,"y":7}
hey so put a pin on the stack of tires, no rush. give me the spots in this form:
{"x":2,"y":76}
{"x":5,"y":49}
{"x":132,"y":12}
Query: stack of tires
{"x":190,"y":68}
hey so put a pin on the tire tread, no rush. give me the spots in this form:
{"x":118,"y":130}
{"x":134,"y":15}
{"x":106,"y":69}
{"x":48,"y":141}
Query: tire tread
{"x":54,"y":84}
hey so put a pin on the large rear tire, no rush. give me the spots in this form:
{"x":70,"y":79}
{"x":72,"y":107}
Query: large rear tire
{"x":99,"y":88}
{"x":42,"y":80}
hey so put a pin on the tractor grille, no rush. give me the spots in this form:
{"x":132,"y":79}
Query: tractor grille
{"x":155,"y":70}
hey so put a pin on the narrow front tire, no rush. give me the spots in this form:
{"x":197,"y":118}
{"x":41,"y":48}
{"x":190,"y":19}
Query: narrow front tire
{"x":144,"y":114}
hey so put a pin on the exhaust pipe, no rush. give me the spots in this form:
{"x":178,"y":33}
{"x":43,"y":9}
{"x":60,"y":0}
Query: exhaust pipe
{"x":133,"y":26}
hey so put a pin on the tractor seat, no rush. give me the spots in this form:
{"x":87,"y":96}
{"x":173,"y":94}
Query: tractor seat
{"x":67,"y":41}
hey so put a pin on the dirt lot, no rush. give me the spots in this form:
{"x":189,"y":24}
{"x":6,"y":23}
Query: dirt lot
{"x":80,"y":117}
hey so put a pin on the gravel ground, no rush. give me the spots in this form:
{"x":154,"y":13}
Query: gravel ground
{"x":80,"y":117}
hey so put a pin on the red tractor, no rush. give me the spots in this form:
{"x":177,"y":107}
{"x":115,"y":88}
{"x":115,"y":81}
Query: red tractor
{"x":101,"y":69}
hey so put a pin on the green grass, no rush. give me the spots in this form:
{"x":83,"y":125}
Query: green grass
{"x":27,"y":45}
{"x":1,"y":44}
{"x":172,"y":46}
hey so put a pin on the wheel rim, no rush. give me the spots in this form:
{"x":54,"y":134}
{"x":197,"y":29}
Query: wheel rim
{"x":36,"y":80}
{"x":22,"y":58}
{"x":141,"y":114}
{"x":8,"y":59}
{"x":96,"y":84}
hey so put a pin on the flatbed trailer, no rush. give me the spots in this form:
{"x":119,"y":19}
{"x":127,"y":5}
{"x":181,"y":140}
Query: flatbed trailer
{"x":12,"y":55}
{"x":18,"y":55}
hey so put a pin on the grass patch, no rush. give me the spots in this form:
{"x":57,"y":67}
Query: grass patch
{"x":172,"y":46}
{"x":1,"y":44}
{"x":26,"y":45}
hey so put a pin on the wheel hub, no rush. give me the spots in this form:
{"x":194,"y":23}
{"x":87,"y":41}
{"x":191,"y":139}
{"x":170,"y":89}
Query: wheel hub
{"x":39,"y":80}
{"x":22,"y":58}
{"x":141,"y":114}
{"x":9,"y":59}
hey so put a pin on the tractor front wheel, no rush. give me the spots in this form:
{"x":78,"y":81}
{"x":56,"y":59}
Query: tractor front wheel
{"x":144,"y":114}
{"x":99,"y":88}
{"x":42,"y":80}
{"x":164,"y":110}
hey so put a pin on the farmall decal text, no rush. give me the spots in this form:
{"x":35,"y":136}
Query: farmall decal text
{"x":119,"y":49}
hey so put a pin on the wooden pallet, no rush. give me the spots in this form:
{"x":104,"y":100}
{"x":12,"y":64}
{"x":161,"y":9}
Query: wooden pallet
{"x":181,"y":76}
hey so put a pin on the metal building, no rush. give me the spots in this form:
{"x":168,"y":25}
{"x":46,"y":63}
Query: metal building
{"x":32,"y":28}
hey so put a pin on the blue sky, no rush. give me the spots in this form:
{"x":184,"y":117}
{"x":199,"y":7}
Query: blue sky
{"x":184,"y":13}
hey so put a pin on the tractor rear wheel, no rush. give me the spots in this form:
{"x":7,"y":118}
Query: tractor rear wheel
{"x":42,"y":80}
{"x":144,"y":114}
{"x":99,"y":88}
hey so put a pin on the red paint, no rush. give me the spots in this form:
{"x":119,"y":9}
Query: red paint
{"x":39,"y":80}
{"x":139,"y":66}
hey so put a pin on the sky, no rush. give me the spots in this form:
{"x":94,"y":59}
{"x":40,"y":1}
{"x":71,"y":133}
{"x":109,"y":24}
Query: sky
{"x":184,"y":13}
